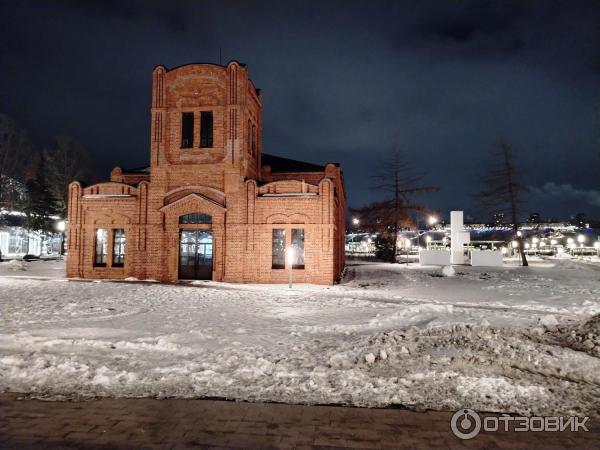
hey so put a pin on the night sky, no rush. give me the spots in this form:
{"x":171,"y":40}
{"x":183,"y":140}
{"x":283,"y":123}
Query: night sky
{"x":342,"y":81}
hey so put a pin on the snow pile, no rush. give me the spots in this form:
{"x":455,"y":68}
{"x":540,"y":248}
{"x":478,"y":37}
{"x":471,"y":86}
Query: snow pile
{"x":14,"y":265}
{"x":448,"y":271}
{"x":505,"y":340}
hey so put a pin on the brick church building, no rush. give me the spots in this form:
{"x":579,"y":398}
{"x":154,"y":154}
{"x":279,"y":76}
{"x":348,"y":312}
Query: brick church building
{"x":210,"y":205}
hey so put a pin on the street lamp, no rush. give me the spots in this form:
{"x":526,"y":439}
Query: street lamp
{"x":60,"y":226}
{"x":581,"y":239}
{"x":355,"y":221}
{"x":407,"y":246}
{"x":290,"y":260}
{"x":432,"y":220}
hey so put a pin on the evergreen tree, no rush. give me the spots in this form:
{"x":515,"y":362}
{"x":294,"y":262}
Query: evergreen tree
{"x":39,"y":203}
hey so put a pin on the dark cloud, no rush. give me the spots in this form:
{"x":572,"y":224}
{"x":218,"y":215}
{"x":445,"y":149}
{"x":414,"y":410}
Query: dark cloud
{"x":342,"y":81}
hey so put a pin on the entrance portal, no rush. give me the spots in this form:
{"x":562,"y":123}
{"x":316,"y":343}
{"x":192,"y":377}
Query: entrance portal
{"x":195,"y":254}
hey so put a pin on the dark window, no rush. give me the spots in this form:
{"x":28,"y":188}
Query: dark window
{"x":253,"y":141}
{"x":118,"y":248}
{"x":206,"y":129}
{"x":101,"y":247}
{"x":298,"y":246}
{"x":278,"y":249}
{"x":187,"y":130}
{"x":195,"y":218}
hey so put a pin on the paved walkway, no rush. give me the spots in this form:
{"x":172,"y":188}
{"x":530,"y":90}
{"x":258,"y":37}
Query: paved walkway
{"x":149,"y":423}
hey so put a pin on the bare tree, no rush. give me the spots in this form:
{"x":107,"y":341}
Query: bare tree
{"x":397,"y":180}
{"x":67,"y":161}
{"x":15,"y":151}
{"x":502,"y":192}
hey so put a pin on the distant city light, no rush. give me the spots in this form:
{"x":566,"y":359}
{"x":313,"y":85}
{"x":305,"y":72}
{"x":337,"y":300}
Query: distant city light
{"x":355,"y":221}
{"x":519,"y":233}
{"x":432,"y":220}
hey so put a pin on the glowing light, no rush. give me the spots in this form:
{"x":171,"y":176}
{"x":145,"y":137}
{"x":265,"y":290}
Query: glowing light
{"x":581,"y":238}
{"x":504,"y":250}
{"x":514,"y":244}
{"x":60,"y":226}
{"x":428,"y":239}
{"x":553,"y":242}
{"x":570,"y":241}
{"x":535,"y":240}
{"x":596,"y":245}
{"x":527,"y":245}
{"x":290,"y":255}
{"x":355,"y":221}
{"x":407,"y":244}
{"x":432,"y":220}
{"x":519,"y":233}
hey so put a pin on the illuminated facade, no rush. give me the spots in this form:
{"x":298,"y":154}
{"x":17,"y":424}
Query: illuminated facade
{"x":210,"y":205}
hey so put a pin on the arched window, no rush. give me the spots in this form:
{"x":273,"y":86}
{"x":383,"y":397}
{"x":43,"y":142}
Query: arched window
{"x":195,"y":218}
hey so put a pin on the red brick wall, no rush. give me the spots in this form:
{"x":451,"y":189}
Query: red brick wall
{"x":221,"y":181}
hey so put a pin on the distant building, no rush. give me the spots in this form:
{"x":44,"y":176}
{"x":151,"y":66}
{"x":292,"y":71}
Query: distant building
{"x":210,"y":205}
{"x":16,"y":241}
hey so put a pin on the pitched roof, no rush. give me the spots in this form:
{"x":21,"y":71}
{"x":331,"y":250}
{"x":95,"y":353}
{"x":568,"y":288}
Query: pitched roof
{"x":145,"y":169}
{"x":279,"y":164}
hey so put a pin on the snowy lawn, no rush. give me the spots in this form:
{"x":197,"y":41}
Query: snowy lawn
{"x":511,"y":340}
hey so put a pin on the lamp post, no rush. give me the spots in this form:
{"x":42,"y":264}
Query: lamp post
{"x":428,"y":241}
{"x":60,"y":226}
{"x":290,"y":261}
{"x":407,"y":246}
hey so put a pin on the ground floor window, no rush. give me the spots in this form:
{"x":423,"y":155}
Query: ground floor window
{"x":298,"y":246}
{"x":278,"y":249}
{"x":118,"y":248}
{"x":101,"y":247}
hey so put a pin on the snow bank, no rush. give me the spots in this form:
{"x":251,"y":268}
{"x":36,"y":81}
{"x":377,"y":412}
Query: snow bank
{"x":14,"y":265}
{"x":505,"y":340}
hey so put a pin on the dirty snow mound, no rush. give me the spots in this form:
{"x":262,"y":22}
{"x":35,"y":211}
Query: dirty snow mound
{"x":448,"y":271}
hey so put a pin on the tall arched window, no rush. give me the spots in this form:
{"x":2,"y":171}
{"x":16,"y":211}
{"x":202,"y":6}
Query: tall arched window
{"x":195,"y":218}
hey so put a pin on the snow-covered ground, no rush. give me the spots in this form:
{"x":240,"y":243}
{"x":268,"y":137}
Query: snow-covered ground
{"x":511,"y":339}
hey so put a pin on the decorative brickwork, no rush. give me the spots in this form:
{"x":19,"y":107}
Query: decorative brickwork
{"x":215,"y":175}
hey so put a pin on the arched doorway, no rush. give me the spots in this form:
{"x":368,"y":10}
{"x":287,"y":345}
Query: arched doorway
{"x":195,"y":247}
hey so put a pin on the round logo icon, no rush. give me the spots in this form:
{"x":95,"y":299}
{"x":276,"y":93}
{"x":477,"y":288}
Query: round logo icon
{"x":465,"y":424}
